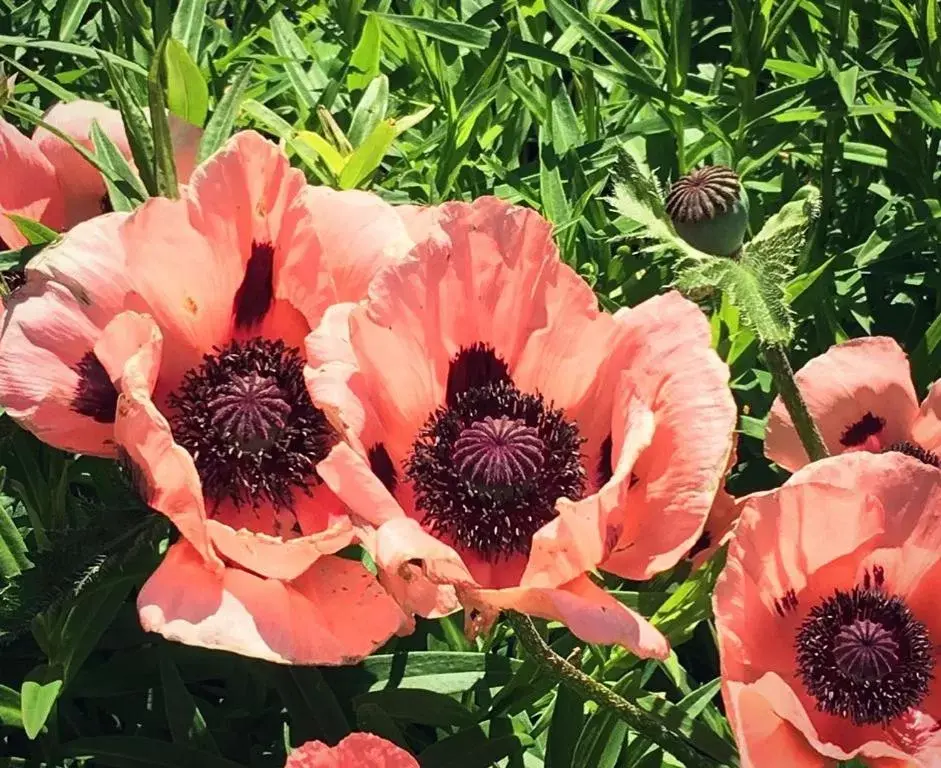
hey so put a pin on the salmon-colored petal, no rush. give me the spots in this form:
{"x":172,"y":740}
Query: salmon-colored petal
{"x":358,"y":750}
{"x":905,"y":487}
{"x":284,"y":556}
{"x":181,"y":280}
{"x":250,"y":205}
{"x":51,"y":382}
{"x":787,"y":705}
{"x":422,"y":222}
{"x":679,"y":474}
{"x":782,"y":544}
{"x":28,"y":186}
{"x":719,"y":527}
{"x":357,"y":234}
{"x":348,"y":475}
{"x":589,"y":611}
{"x":764,"y":738}
{"x":926,"y":431}
{"x":335,"y":383}
{"x":497,"y":280}
{"x":83,"y":188}
{"x":860,"y":395}
{"x":130,"y":350}
{"x":90,"y":261}
{"x":587,"y":532}
{"x":335,"y":613}
{"x":185,"y":138}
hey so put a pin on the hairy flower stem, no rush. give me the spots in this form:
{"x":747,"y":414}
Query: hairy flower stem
{"x":781,"y":372}
{"x":560,"y":669}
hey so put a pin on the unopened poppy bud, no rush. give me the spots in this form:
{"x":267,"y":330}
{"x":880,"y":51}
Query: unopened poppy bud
{"x":707,"y":210}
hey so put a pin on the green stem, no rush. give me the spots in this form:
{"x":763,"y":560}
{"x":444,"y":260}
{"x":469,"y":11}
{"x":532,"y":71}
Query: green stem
{"x":559,"y":669}
{"x":776,"y":358}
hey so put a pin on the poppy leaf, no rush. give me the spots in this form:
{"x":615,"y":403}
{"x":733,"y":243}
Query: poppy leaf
{"x":128,"y":190}
{"x":136,"y":126}
{"x":223,"y":117}
{"x":164,"y":164}
{"x":188,"y":22}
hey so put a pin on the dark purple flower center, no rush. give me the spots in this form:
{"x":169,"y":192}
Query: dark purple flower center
{"x":247,"y":420}
{"x":489,"y":465}
{"x":498,"y":451}
{"x":865,"y":650}
{"x":864,"y":656}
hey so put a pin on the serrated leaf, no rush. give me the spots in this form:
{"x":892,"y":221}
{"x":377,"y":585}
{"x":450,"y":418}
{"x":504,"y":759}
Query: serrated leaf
{"x":637,"y":197}
{"x":13,"y":559}
{"x":220,"y":124}
{"x":136,"y":126}
{"x":164,"y":163}
{"x":127,"y":192}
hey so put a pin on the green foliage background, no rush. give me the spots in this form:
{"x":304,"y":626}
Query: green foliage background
{"x":427,"y":101}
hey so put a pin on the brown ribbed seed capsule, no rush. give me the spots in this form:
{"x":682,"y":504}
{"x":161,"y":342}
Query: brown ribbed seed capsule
{"x":706,"y":209}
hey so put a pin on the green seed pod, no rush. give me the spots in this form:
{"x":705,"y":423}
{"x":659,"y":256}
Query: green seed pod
{"x":707,"y":210}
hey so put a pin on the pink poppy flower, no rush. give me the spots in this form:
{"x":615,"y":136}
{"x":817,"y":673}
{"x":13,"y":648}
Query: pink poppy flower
{"x":47,"y":180}
{"x":358,"y":750}
{"x":861,"y":397}
{"x":507,"y":437}
{"x":827,"y":617}
{"x":171,"y":338}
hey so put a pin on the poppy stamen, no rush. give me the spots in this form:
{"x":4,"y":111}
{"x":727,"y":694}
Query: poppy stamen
{"x":489,"y":466}
{"x":247,"y":420}
{"x":864,"y":656}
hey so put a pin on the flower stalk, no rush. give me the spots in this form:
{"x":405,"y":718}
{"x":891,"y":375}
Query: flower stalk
{"x":775,"y":356}
{"x":567,"y":674}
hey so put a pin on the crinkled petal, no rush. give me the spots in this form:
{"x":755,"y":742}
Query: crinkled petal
{"x":130,"y":350}
{"x":497,"y":280}
{"x":276,"y":553}
{"x":764,"y":738}
{"x":587,"y":532}
{"x":335,"y":613}
{"x":50,"y":381}
{"x":860,"y":395}
{"x":926,"y":431}
{"x":28,"y":186}
{"x":589,"y":611}
{"x":90,"y":261}
{"x":786,"y":704}
{"x":666,"y":362}
{"x":358,"y":750}
{"x":83,"y":188}
{"x":357,"y":234}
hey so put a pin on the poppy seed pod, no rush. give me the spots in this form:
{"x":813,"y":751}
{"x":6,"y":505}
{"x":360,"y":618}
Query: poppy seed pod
{"x":707,"y":210}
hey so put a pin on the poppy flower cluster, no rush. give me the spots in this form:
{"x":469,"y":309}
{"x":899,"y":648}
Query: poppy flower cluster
{"x":293,"y":375}
{"x":827,"y":610}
